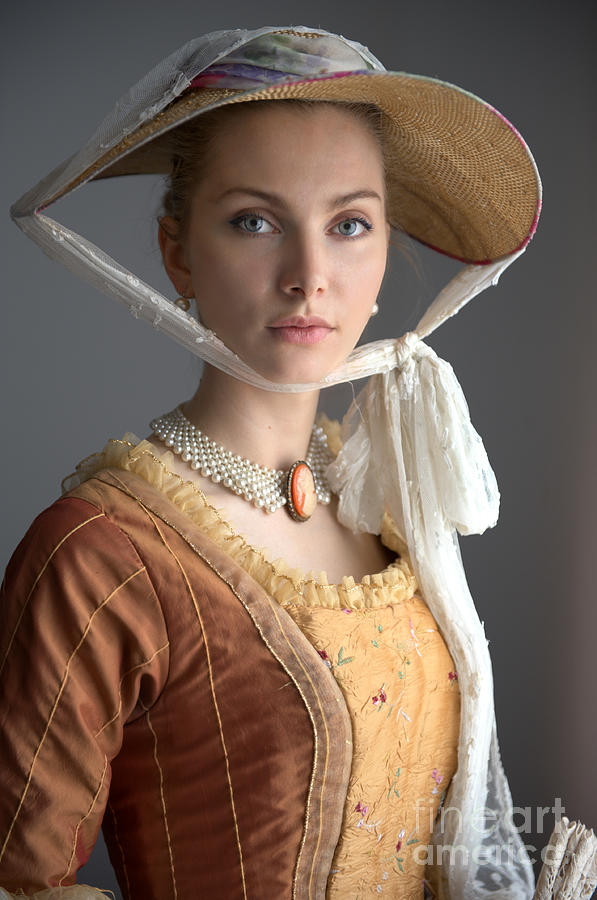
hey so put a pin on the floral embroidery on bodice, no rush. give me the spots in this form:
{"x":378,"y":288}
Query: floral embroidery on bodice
{"x":398,"y":679}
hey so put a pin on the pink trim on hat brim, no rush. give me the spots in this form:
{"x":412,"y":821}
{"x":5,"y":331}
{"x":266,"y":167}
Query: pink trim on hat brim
{"x":513,"y":129}
{"x":487,"y":262}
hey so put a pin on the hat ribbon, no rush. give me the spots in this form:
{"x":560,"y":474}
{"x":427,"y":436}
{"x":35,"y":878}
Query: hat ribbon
{"x":410,"y":449}
{"x":414,"y":417}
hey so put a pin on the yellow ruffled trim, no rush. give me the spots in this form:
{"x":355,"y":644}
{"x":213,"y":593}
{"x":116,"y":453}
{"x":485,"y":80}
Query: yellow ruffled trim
{"x":74,"y":892}
{"x":287,"y":585}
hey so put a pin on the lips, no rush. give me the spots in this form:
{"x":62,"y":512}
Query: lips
{"x":301,"y":329}
{"x":301,"y":322}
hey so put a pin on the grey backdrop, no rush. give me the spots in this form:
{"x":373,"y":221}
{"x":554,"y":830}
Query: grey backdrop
{"x":76,"y":369}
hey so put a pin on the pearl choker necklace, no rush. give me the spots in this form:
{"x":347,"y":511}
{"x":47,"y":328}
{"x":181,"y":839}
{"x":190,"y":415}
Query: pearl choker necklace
{"x":299,"y":489}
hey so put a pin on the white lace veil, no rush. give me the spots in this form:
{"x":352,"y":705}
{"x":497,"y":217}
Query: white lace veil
{"x":409,"y":445}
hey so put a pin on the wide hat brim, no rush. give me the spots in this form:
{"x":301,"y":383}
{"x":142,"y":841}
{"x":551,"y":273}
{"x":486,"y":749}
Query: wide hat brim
{"x":460,"y":177}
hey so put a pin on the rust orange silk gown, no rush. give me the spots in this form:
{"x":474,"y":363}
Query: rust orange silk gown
{"x":238,"y":729}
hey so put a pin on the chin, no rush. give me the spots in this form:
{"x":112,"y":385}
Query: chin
{"x":299,"y":371}
{"x":289,"y":363}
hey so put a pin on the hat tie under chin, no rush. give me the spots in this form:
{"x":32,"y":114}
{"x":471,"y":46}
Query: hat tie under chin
{"x":415,"y":417}
{"x":405,"y":346}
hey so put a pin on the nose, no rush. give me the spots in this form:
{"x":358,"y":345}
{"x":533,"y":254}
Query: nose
{"x":304,"y":272}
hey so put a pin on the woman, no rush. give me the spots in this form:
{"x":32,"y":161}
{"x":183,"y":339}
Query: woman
{"x":244,"y":729}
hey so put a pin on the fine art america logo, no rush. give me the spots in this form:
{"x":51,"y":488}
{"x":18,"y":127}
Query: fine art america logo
{"x":497,"y":844}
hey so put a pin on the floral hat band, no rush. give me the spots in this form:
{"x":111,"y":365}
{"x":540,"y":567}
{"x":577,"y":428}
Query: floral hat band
{"x":276,"y":58}
{"x":240,"y":76}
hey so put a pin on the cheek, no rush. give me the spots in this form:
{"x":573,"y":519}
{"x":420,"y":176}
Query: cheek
{"x":362,"y":291}
{"x":220,"y":271}
{"x":362,"y":276}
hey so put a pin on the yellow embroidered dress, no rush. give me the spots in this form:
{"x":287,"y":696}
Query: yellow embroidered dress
{"x":397,"y":677}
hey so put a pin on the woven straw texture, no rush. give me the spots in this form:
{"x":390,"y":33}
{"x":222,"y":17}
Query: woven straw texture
{"x":460,"y":177}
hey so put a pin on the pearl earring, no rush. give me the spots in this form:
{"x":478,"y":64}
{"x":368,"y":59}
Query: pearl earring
{"x":183,"y":302}
{"x":374,"y":309}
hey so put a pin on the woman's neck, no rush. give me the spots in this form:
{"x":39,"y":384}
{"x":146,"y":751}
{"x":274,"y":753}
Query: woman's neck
{"x":267,"y":427}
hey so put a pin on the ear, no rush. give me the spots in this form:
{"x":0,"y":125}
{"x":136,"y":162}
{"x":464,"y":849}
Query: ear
{"x":173,"y":255}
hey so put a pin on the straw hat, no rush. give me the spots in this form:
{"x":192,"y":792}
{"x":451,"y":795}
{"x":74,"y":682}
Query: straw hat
{"x":460,"y":177}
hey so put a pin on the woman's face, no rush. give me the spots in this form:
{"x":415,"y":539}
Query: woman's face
{"x":287,"y":238}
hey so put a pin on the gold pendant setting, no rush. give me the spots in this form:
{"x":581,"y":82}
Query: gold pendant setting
{"x":301,"y":495}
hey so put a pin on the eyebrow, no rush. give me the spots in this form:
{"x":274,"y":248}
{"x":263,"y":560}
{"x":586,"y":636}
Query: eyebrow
{"x":343,"y":200}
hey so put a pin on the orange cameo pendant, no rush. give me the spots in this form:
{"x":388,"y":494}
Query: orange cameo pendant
{"x":301,"y":498}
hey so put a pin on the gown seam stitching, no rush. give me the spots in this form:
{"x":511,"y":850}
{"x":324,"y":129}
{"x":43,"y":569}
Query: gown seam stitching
{"x":39,"y":575}
{"x":126,"y":674}
{"x":212,"y":685}
{"x":57,"y":700}
{"x":271,"y":601}
{"x":162,"y":797}
{"x":86,"y":816}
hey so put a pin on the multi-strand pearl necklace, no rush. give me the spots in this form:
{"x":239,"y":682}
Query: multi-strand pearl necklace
{"x":299,"y":489}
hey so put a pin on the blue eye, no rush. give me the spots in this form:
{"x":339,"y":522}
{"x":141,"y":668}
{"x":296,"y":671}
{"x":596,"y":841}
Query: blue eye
{"x":251,"y":223}
{"x":348,"y":227}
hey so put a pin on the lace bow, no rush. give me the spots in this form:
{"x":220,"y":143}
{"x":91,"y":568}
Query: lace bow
{"x":414,"y":419}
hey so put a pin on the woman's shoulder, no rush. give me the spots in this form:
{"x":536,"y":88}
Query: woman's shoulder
{"x":74,"y":532}
{"x":83,"y":532}
{"x":114,"y":452}
{"x":73,"y":563}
